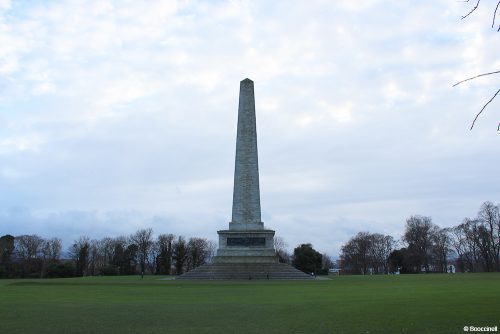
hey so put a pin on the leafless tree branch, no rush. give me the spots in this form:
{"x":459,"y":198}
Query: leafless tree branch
{"x":495,"y":15}
{"x":479,"y":113}
{"x":483,"y":74}
{"x":477,"y":76}
{"x":472,"y":10}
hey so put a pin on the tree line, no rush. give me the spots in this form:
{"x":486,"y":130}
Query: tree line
{"x":31,"y":256}
{"x":472,"y":246}
{"x":35,"y":257}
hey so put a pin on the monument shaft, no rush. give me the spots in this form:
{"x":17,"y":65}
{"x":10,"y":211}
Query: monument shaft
{"x":246,"y":240}
{"x":246,"y":195}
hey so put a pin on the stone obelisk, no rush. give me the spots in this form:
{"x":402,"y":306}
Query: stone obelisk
{"x":246,"y":249}
{"x":246,"y":240}
{"x":246,"y":194}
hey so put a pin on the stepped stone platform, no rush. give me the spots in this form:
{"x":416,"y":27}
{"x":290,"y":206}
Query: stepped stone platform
{"x":245,"y":271}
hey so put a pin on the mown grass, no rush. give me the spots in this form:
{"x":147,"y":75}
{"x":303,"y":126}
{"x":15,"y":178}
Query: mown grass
{"x":345,"y":304}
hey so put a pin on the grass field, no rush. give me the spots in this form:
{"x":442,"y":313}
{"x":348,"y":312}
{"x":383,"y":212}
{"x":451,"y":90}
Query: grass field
{"x":345,"y":304}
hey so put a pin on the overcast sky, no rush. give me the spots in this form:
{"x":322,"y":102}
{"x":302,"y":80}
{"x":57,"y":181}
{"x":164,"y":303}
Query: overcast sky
{"x":120,"y":115}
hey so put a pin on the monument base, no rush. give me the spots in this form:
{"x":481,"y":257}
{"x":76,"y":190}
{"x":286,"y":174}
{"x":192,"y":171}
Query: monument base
{"x":239,"y":246}
{"x":245,"y":255}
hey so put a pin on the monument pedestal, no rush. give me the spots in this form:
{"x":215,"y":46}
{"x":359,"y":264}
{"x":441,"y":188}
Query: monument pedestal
{"x":245,"y":246}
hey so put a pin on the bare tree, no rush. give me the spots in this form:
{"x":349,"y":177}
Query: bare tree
{"x":441,"y":248}
{"x":478,"y":245}
{"x":51,"y":252}
{"x":470,"y":230}
{"x":477,"y":241}
{"x":28,"y":246}
{"x":489,"y":216}
{"x":143,"y":238}
{"x":124,"y":256}
{"x":197,"y":252}
{"x":380,"y":249}
{"x":459,"y":242}
{"x":367,"y":253}
{"x":28,"y":250}
{"x":98,"y":259}
{"x":152,"y":258}
{"x":93,"y":258}
{"x":79,"y":251}
{"x":349,"y":257}
{"x":356,"y":254}
{"x":482,"y":241}
{"x":281,"y":248}
{"x":51,"y":249}
{"x":326,"y":262}
{"x":419,"y":236}
{"x":211,"y":250}
{"x":108,"y":247}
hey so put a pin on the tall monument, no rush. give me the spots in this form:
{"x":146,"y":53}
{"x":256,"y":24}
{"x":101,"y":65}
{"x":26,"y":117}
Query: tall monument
{"x":246,"y":194}
{"x":246,"y":249}
{"x":246,"y":240}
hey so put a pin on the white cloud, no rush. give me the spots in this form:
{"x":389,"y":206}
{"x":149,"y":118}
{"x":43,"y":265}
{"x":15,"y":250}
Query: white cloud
{"x":20,"y":143}
{"x":134,"y":105}
{"x":5,"y":4}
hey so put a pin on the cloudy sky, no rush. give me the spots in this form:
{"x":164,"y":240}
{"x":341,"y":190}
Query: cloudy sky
{"x":119,"y":115}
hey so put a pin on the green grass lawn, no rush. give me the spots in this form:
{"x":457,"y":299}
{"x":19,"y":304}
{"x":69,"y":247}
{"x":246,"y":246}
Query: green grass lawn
{"x":345,"y":304}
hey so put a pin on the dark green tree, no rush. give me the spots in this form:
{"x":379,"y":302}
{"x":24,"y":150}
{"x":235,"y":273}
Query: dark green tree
{"x":180,"y":254}
{"x":82,"y":260}
{"x":129,"y":264}
{"x":60,"y":270}
{"x":118,"y":256}
{"x":396,"y":260}
{"x":405,"y":260}
{"x":307,"y":259}
{"x":6,"y":251}
{"x":164,"y":260}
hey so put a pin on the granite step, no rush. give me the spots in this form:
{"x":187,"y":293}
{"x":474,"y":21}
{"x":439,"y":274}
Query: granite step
{"x":245,"y":271}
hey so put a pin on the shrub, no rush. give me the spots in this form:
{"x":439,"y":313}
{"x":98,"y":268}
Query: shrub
{"x":61,"y":270}
{"x":3,"y":272}
{"x":109,"y":271}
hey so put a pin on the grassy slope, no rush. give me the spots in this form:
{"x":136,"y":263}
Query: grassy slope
{"x":346,"y":304}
